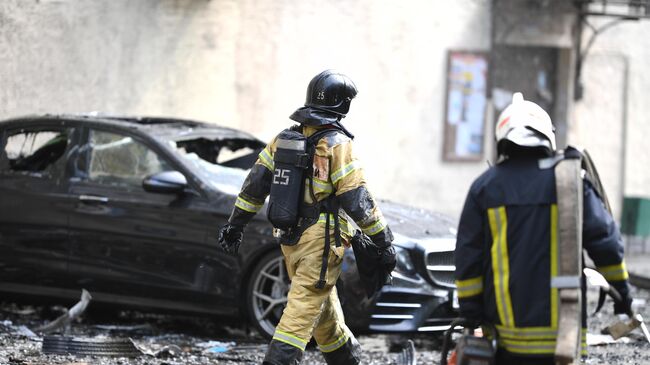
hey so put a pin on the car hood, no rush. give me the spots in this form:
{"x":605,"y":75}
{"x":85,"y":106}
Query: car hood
{"x":416,"y":225}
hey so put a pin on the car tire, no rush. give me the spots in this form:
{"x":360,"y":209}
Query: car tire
{"x":266,"y":298}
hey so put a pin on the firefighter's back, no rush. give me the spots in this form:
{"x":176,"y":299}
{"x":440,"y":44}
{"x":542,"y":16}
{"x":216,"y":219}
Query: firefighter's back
{"x":520,"y":215}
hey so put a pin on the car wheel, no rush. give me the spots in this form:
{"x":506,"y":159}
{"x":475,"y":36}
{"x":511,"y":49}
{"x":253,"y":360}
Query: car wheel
{"x":267,"y":293}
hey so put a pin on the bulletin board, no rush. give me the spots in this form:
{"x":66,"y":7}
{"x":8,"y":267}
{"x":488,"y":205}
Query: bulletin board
{"x":466,"y":101}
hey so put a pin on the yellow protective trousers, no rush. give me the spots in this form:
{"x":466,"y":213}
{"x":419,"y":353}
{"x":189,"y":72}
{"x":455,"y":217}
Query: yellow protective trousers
{"x":310,"y":311}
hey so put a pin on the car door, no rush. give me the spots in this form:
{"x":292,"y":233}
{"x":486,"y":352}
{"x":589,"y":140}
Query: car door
{"x":34,"y":208}
{"x":130,"y":245}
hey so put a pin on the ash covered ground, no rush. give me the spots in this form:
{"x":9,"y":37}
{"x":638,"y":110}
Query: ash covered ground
{"x":195,"y":340}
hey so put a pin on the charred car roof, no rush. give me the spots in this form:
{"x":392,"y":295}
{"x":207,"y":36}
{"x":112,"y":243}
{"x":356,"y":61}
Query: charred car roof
{"x":169,"y":128}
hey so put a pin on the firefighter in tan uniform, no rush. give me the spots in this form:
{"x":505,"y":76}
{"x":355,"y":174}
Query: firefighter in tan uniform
{"x":333,"y":190}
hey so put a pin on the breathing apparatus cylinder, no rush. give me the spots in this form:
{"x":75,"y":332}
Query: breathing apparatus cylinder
{"x":291,"y":162}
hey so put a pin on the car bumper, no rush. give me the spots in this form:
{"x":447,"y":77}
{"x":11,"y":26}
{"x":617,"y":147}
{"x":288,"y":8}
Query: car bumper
{"x":410,"y":304}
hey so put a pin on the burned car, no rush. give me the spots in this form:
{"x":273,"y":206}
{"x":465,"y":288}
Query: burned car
{"x":129,"y":209}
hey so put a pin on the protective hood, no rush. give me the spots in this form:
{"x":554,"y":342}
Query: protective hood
{"x":314,"y":117}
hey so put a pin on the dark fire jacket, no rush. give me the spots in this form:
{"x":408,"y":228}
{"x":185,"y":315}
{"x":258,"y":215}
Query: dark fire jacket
{"x":507,"y":253}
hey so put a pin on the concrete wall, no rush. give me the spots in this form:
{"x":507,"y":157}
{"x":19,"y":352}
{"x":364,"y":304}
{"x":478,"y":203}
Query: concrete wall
{"x":246,"y":64}
{"x":620,"y":153}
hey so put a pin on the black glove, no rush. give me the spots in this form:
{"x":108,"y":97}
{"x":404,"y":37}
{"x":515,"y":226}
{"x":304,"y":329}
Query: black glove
{"x":387,"y":254}
{"x":387,"y":258}
{"x":230,"y":237}
{"x":624,"y":306}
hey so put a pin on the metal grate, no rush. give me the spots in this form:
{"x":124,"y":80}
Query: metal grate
{"x":441,"y":267}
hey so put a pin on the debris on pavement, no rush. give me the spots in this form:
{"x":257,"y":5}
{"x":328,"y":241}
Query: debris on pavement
{"x":214,"y":343}
{"x":215,"y":346}
{"x":246,"y":348}
{"x":600,"y":340}
{"x":216,"y":349}
{"x":18,"y":330}
{"x":162,"y":352}
{"x":67,"y":317}
{"x":123,"y":328}
{"x":407,"y":356}
{"x":20,"y":311}
{"x":183,"y":340}
{"x":83,"y":346}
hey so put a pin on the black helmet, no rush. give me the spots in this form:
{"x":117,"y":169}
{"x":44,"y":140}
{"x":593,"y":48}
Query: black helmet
{"x":329,"y":95}
{"x":331,"y":91}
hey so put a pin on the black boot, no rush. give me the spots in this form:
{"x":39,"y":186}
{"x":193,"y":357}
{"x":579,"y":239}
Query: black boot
{"x":280,"y":353}
{"x":348,"y":354}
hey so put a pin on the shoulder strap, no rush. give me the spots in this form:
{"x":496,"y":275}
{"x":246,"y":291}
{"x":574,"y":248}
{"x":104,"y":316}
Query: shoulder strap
{"x":318,"y":135}
{"x":568,"y":184}
{"x":329,"y":207}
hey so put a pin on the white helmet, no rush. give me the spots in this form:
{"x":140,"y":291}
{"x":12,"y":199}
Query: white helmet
{"x":525,"y":124}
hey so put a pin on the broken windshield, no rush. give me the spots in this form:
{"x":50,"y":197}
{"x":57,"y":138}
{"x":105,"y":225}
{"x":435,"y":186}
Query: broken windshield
{"x":223,"y":164}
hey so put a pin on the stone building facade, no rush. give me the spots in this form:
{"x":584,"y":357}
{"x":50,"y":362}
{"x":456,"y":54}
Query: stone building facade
{"x":246,"y":64}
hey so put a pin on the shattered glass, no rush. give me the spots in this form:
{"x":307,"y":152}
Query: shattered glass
{"x":222,"y":164}
{"x":120,"y":160}
{"x":35,"y":151}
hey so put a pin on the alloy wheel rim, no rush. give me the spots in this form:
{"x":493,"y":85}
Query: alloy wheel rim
{"x":270,"y":291}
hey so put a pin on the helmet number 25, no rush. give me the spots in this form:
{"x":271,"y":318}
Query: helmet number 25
{"x":281,"y":176}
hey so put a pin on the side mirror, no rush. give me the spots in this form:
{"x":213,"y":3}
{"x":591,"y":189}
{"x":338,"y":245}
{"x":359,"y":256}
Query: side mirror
{"x":166,"y":182}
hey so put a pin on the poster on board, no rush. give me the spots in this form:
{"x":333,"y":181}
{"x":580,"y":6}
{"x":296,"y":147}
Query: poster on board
{"x":466,"y":98}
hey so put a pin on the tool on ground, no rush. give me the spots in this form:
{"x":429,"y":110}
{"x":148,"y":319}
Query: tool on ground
{"x":470,"y":348}
{"x":644,"y":328}
{"x":622,"y":328}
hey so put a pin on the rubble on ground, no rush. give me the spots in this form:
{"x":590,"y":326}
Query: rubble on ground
{"x":171,"y":340}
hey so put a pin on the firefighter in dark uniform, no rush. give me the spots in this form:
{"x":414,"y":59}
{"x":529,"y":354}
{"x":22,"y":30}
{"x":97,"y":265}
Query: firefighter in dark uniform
{"x":313,"y":308}
{"x":506,"y":250}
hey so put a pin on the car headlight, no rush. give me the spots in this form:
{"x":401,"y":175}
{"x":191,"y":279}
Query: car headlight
{"x":404,"y":264}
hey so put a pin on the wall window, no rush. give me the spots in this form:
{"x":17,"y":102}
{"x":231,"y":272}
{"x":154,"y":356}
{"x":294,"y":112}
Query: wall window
{"x":38,"y":151}
{"x":120,"y":160}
